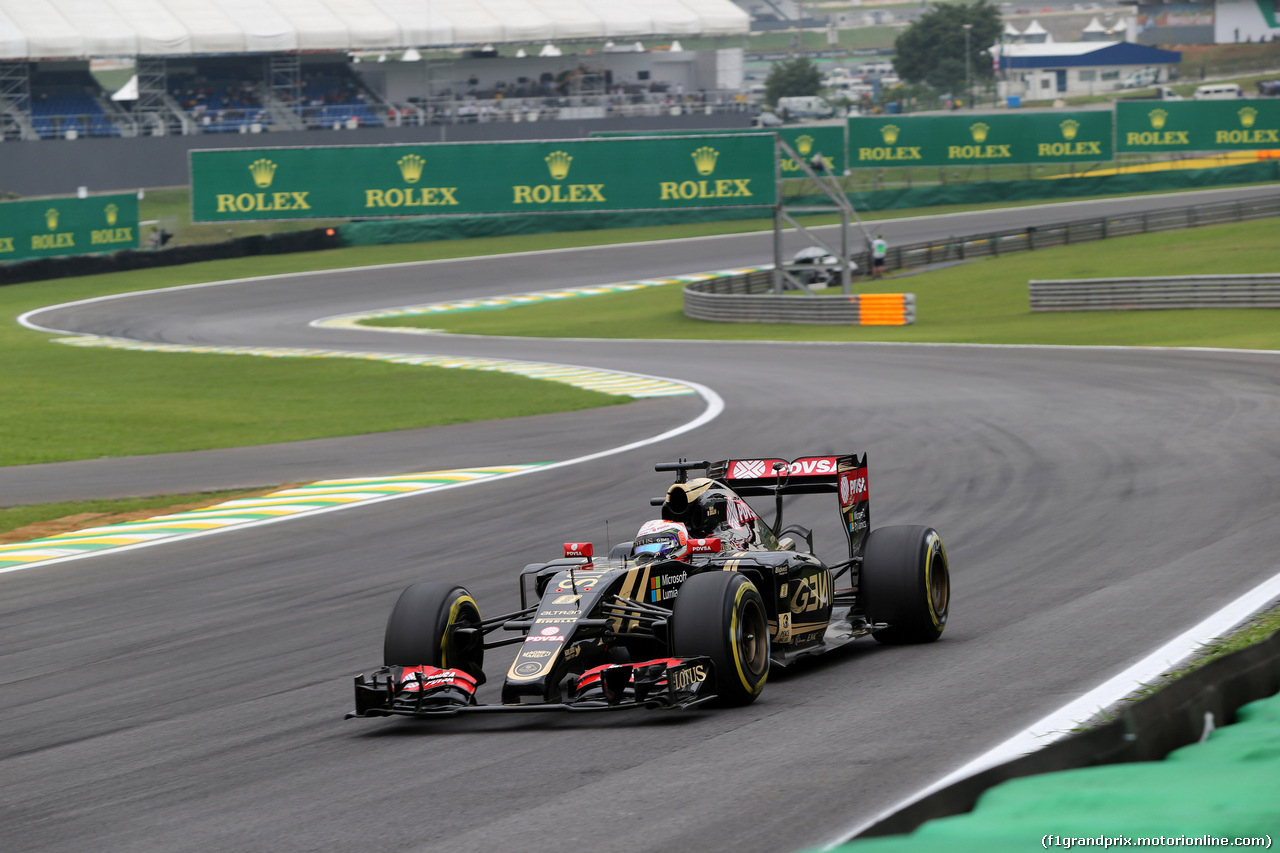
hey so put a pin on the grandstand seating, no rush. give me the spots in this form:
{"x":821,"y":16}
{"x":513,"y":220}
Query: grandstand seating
{"x":331,"y":94}
{"x":220,"y":100}
{"x":65,"y":100}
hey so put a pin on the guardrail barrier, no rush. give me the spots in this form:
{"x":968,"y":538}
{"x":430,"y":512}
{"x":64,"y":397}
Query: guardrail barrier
{"x":1178,"y":291}
{"x":1032,"y":237}
{"x":749,"y":298}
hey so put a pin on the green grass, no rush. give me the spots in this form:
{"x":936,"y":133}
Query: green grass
{"x":980,"y":302}
{"x":1259,"y":627}
{"x":16,"y":517}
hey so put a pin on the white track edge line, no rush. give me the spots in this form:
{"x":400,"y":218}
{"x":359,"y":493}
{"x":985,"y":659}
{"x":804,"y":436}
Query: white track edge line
{"x":1056,"y":725}
{"x":715,"y":405}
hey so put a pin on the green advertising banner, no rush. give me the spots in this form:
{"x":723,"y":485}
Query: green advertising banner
{"x":343,"y":182}
{"x":981,"y":139}
{"x":827,"y":140}
{"x":1231,"y":125}
{"x":67,"y":226}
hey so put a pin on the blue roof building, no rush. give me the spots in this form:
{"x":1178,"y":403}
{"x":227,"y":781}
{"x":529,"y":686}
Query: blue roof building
{"x":1051,"y":70}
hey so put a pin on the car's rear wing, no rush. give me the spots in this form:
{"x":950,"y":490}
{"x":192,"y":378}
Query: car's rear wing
{"x":846,"y":476}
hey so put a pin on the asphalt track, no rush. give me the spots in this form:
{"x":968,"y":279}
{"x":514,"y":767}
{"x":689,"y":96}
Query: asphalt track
{"x":190,"y":696}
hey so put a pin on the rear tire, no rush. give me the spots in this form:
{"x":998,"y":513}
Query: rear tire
{"x":906,"y":583}
{"x":417,"y":631}
{"x":720,"y":615}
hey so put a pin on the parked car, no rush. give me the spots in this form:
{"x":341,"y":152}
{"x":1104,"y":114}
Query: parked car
{"x":1218,"y":91}
{"x":805,"y":106}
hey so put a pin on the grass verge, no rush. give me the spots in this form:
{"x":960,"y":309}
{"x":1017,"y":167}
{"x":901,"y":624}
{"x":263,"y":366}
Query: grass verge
{"x":1257,"y":628}
{"x":983,"y":301}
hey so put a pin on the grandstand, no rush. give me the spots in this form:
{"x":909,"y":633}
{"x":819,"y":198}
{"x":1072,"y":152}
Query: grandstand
{"x":252,"y":66}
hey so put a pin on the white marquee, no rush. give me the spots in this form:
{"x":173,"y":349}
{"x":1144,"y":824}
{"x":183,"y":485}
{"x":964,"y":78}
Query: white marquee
{"x":70,"y":29}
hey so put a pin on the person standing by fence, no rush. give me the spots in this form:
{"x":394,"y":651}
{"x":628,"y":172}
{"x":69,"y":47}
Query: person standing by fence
{"x":879,"y":248}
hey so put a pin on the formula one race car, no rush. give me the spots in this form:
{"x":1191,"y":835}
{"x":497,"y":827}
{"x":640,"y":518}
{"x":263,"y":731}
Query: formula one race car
{"x":696,"y":608}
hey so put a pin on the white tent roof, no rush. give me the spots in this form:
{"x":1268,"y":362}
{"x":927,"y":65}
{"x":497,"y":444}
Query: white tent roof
{"x":1034,"y":29}
{"x":1011,"y":30}
{"x":1095,"y":26}
{"x":54,"y":29}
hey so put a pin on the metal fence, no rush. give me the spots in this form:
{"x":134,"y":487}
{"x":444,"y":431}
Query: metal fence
{"x":1180,"y":291}
{"x":749,"y":297}
{"x":1033,"y":237}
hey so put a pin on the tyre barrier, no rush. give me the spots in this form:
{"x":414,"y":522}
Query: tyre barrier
{"x":1156,"y":292}
{"x":749,"y":298}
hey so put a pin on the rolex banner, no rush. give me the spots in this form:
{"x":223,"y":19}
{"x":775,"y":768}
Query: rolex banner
{"x":1231,"y":125}
{"x":482,"y":177}
{"x":980,"y":140}
{"x":807,"y":141}
{"x":67,"y":226}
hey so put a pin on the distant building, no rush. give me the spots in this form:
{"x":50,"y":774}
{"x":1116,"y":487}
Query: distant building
{"x":1206,"y":21}
{"x":1041,"y":72}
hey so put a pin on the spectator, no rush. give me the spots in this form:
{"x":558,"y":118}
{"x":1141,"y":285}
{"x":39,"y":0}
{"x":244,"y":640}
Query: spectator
{"x":879,"y":248}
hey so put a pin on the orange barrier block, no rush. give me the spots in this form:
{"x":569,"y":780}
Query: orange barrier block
{"x":882,"y":309}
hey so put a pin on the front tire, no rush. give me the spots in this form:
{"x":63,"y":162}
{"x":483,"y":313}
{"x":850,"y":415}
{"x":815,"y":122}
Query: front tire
{"x":418,"y":629}
{"x":720,"y":615}
{"x":906,"y":583}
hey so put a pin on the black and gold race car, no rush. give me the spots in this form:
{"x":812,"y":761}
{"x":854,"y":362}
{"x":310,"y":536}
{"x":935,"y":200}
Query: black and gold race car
{"x":695,"y":609}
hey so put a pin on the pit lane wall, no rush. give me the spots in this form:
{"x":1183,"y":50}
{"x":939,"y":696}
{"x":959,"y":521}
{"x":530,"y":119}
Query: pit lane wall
{"x":1217,"y":731}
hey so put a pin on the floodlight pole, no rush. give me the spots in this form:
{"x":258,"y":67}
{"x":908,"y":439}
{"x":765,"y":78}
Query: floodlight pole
{"x":968,"y":62}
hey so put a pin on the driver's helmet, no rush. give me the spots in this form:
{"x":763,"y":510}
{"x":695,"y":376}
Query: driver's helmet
{"x":661,"y":540}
